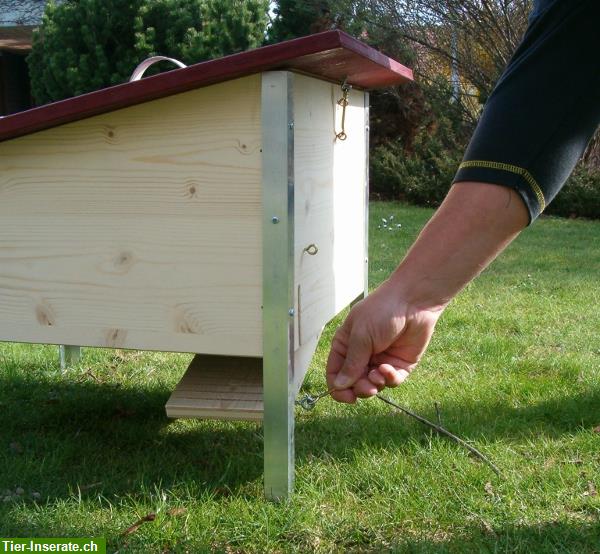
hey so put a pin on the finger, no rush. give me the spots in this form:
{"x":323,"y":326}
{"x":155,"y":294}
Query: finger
{"x":337,"y":355}
{"x":356,"y":361}
{"x":396,"y":361}
{"x":335,"y":361}
{"x":346,"y":396}
{"x":376,"y":378}
{"x":363,"y":388}
{"x":392,"y":376}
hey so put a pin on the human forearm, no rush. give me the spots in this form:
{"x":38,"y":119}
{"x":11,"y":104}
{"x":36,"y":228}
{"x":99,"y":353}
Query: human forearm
{"x":473,"y":225}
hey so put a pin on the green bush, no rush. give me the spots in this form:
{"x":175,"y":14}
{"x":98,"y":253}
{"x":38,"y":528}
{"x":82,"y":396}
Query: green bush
{"x":84,"y":45}
{"x":421,"y":174}
{"x":419,"y":169}
{"x":580,"y":197}
{"x":196,"y":30}
{"x":424,"y":176}
{"x":297,"y":19}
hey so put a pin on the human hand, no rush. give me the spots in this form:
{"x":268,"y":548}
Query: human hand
{"x":378,"y":345}
{"x":385,"y":335}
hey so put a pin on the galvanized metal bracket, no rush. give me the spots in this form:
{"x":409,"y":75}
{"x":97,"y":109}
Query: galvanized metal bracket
{"x":69,"y":355}
{"x":278,"y":282}
{"x":366,"y":243}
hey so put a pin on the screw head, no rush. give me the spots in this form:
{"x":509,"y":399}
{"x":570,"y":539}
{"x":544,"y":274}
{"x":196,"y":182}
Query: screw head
{"x":274,"y":220}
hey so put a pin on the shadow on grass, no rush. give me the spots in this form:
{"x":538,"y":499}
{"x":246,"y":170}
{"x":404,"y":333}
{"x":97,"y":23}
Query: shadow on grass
{"x":477,"y":421}
{"x":76,"y":434}
{"x":549,"y":538}
{"x":65,"y":435}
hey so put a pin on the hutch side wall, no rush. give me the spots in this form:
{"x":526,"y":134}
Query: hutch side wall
{"x":330,"y":198}
{"x":139,"y":228}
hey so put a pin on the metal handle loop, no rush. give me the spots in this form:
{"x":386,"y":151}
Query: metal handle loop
{"x":139,"y":71}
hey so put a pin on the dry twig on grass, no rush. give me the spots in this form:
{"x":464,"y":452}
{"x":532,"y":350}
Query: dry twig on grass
{"x":443,"y":431}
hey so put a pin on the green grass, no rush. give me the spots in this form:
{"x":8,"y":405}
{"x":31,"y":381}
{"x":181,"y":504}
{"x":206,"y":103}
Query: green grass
{"x":514,"y":366}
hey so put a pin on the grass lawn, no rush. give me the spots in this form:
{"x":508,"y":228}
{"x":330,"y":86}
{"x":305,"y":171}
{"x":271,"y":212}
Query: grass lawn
{"x":514,"y":366}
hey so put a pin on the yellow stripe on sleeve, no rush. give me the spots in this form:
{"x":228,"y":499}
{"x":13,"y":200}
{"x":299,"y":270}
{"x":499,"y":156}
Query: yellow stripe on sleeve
{"x":512,"y":169}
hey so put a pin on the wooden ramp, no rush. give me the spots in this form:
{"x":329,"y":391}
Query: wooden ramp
{"x":219,"y":387}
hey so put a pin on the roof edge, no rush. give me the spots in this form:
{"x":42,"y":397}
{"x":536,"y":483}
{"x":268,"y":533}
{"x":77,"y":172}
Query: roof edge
{"x":372,"y":68}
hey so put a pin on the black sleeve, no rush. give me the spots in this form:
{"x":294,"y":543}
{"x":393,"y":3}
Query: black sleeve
{"x":545,"y":107}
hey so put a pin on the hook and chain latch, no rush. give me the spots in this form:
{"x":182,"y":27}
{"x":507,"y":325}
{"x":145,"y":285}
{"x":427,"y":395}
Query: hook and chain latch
{"x":343,"y":102}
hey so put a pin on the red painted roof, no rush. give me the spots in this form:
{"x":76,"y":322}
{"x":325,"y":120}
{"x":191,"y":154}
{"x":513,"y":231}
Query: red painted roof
{"x":332,"y":55}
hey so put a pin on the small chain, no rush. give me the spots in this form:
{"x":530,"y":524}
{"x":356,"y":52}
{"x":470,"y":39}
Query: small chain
{"x":343,"y":101}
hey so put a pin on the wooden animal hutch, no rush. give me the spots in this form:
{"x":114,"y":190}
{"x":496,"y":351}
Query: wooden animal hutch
{"x":219,"y":209}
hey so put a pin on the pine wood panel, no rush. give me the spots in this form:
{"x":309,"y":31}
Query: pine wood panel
{"x":139,"y":228}
{"x":329,"y":203}
{"x":302,"y":357}
{"x":219,"y":387}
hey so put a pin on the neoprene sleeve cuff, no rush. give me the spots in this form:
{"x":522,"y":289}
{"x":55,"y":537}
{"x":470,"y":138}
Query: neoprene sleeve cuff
{"x":545,"y":107}
{"x":513,"y":177}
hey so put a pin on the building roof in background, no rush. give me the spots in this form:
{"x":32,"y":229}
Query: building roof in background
{"x":332,"y":55}
{"x":16,"y":40}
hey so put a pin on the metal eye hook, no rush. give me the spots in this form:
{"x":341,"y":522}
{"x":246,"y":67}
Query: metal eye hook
{"x":308,"y":402}
{"x":311,"y":249}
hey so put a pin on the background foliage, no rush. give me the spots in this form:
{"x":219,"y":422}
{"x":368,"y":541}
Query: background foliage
{"x":419,"y":131}
{"x":84,"y":45}
{"x":457,"y":50}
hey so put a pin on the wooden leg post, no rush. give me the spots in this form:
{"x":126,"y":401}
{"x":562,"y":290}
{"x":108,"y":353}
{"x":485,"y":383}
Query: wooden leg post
{"x":69,"y":355}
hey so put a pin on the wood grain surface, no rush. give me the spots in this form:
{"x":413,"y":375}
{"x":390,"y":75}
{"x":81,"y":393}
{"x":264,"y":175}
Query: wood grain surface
{"x":219,"y":387}
{"x":329,"y":203}
{"x":139,"y":228}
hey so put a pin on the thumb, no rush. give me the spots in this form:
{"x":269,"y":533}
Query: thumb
{"x":357,"y":359}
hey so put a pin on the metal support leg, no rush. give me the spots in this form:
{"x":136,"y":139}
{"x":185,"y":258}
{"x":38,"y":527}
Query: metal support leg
{"x":278,"y":427}
{"x":366,"y":243}
{"x":69,"y":355}
{"x":278,"y":283}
